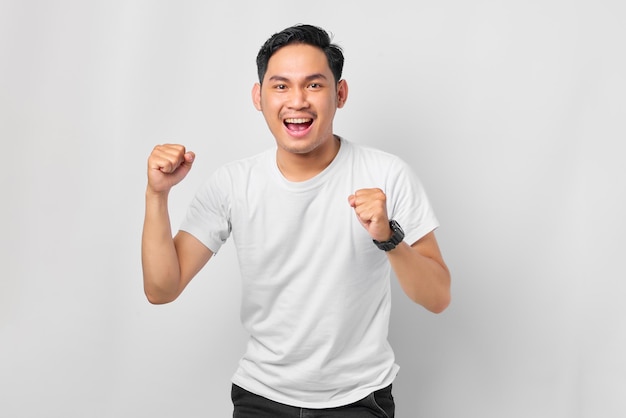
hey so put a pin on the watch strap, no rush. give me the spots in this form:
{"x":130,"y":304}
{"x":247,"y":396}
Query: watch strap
{"x":396,"y":237}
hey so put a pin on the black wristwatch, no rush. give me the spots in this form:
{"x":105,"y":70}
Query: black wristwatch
{"x":396,"y":238}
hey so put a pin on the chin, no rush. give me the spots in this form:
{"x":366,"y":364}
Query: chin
{"x":299,"y":148}
{"x":299,"y":145}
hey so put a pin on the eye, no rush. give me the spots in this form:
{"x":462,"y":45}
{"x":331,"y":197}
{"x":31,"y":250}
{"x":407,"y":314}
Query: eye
{"x":315,"y":86}
{"x":280,"y":87}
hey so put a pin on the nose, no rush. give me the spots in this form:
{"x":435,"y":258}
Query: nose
{"x":298,"y":99}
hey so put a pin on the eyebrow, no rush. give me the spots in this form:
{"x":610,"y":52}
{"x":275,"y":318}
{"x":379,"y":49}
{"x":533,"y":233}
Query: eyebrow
{"x":311,"y":77}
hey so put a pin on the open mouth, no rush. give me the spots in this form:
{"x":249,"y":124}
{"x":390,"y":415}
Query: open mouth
{"x":298,"y":124}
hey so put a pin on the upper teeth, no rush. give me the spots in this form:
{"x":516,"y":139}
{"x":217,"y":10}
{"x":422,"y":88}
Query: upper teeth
{"x":297,"y":120}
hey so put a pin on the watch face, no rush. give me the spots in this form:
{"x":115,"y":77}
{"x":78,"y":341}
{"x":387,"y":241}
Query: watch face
{"x":395,"y":226}
{"x":396,"y":238}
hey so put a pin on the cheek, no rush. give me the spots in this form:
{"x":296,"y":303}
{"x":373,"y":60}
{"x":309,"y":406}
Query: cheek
{"x":329,"y":110}
{"x":271,"y":106}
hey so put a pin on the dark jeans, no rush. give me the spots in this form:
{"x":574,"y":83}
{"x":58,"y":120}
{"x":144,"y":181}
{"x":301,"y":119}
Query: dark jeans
{"x":378,"y":404}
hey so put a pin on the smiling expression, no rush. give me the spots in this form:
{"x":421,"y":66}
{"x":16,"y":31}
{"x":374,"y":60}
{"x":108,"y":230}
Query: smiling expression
{"x":298,"y":98}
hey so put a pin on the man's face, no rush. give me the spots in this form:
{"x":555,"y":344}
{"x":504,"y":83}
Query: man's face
{"x":299,"y":98}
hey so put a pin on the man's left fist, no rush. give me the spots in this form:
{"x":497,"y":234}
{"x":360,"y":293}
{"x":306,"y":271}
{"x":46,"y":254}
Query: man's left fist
{"x":370,"y":206}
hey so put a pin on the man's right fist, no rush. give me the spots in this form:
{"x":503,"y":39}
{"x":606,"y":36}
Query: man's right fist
{"x":168,"y":164}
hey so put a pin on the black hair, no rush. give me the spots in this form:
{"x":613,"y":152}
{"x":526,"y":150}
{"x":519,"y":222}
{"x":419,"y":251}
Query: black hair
{"x":301,"y":34}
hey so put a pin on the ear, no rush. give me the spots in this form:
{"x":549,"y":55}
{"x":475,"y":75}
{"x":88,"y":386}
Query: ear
{"x":256,"y":96}
{"x":342,"y":93}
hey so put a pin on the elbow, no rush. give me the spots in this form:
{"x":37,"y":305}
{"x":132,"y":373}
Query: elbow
{"x":158,"y":301}
{"x":159,"y":290}
{"x":436,"y":302}
{"x":443,"y":297}
{"x":440,"y":305}
{"x":158,"y":298}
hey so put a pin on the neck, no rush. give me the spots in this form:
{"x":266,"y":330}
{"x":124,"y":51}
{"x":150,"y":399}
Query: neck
{"x":301,"y":167}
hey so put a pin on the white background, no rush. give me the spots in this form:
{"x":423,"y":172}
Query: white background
{"x":511,"y":112}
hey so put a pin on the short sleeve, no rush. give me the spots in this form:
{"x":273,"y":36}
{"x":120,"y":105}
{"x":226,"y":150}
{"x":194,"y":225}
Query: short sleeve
{"x":208,"y":215}
{"x":408,"y":203}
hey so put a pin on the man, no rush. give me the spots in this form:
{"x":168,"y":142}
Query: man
{"x":318,"y":223}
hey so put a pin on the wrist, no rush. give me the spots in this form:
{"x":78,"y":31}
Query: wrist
{"x":156,"y":194}
{"x":396,"y":237}
{"x":156,"y":200}
{"x":386,"y":236}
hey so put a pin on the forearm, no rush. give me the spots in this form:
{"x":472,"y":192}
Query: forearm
{"x":425,"y":280}
{"x":161,"y":270}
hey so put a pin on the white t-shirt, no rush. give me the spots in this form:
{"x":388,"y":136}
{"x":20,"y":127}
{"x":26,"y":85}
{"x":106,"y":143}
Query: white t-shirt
{"x":315,"y":289}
